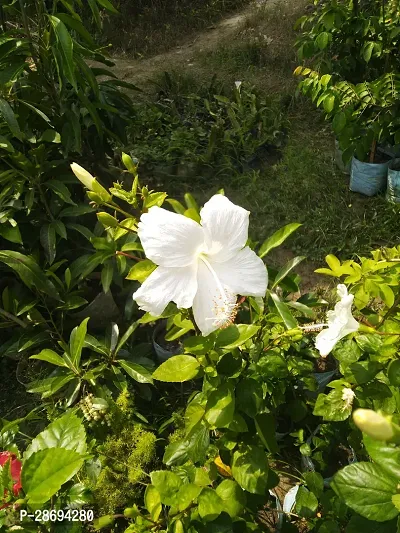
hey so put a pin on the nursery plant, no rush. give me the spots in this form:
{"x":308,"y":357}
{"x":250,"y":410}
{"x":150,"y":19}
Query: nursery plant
{"x":350,"y":67}
{"x":267,"y":384}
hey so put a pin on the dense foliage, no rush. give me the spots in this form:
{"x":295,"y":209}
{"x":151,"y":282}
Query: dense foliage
{"x":138,"y":422}
{"x":351,"y":68}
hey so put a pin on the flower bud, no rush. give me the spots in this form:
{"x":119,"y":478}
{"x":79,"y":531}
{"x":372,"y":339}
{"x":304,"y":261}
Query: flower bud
{"x":103,"y":521}
{"x":131,"y":512}
{"x":83,"y":176}
{"x":374,"y":424}
{"x":129,"y":163}
{"x":107,"y":220}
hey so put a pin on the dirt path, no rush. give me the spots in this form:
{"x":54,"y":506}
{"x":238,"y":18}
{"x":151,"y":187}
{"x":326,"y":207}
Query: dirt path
{"x":139,"y":71}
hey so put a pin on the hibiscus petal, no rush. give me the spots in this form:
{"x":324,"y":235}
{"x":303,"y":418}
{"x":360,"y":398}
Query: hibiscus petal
{"x":166,"y":285}
{"x":169,"y":239}
{"x":213,"y":304}
{"x":226,"y":227}
{"x":244,"y":274}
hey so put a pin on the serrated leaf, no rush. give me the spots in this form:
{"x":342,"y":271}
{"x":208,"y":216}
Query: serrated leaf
{"x":65,"y":432}
{"x":368,"y":490}
{"x":45,"y":471}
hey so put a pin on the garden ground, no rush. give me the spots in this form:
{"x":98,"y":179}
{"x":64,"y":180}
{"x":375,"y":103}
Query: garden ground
{"x":256,"y":46}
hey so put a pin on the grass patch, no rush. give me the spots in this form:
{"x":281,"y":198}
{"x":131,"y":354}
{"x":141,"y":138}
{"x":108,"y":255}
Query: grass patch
{"x":146,"y":28}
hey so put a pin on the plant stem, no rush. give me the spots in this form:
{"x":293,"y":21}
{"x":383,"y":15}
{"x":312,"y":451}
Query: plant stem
{"x":372,"y":153}
{"x":13,"y":318}
{"x":27,"y":31}
{"x":130,"y":256}
{"x":391,"y":309}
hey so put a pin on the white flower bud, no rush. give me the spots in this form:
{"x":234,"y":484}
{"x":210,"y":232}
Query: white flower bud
{"x":83,"y":176}
{"x":374,"y":424}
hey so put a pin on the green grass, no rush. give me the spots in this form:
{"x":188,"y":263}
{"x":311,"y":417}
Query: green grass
{"x":145,"y":28}
{"x":305,"y":186}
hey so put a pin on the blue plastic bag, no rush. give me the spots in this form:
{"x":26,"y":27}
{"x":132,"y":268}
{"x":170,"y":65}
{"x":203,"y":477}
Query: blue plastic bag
{"x":393,"y":182}
{"x":368,"y":178}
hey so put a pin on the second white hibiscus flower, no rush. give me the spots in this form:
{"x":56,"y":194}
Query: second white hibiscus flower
{"x":203,"y":266}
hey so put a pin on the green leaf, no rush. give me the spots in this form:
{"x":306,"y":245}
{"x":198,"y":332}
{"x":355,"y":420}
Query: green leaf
{"x":168,"y":485}
{"x":277,"y":238}
{"x":60,"y":190}
{"x":29,"y":272}
{"x":187,"y":495}
{"x":137,"y":372}
{"x":220,"y":406}
{"x":95,"y":12}
{"x":249,"y":396}
{"x":332,"y":407}
{"x":393,"y":373}
{"x":322,"y":40}
{"x":49,"y":386}
{"x":368,"y":490}
{"x":339,"y":122}
{"x":76,"y":342}
{"x":65,"y":44}
{"x":9,"y":117}
{"x":77,"y":26}
{"x":266,"y":430}
{"x":108,"y":6}
{"x":284,"y":311}
{"x":152,"y":501}
{"x":48,"y":241}
{"x":10,"y":233}
{"x":306,"y":503}
{"x":359,"y":524}
{"x":45,"y":471}
{"x":177,"y":369}
{"x":368,"y":48}
{"x":283,"y":272}
{"x":386,"y":455}
{"x":50,"y":357}
{"x":210,"y":505}
{"x":66,"y":432}
{"x":315,"y":483}
{"x":141,"y":270}
{"x":235,"y":336}
{"x":107,"y":276}
{"x":329,"y":103}
{"x":232,"y":496}
{"x":250,"y":469}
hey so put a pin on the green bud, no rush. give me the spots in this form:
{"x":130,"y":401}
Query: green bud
{"x":101,"y":191}
{"x":129,"y":163}
{"x":104,"y":521}
{"x":131,"y":512}
{"x":95,"y":198}
{"x":178,"y":527}
{"x":375,"y":425}
{"x":107,"y":220}
{"x":21,"y":501}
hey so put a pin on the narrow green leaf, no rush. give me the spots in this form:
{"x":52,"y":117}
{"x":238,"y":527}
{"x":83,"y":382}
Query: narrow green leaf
{"x":277,"y":238}
{"x":76,"y":342}
{"x":29,"y":272}
{"x":66,"y":46}
{"x":50,"y":357}
{"x":284,"y":312}
{"x":48,"y":241}
{"x":284,"y":271}
{"x":137,"y":372}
